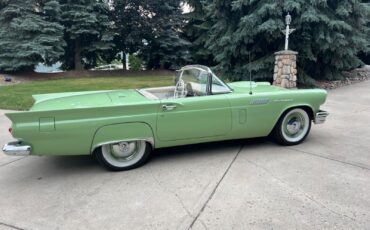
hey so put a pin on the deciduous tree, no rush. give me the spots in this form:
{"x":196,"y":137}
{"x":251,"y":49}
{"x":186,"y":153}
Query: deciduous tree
{"x":154,"y":29}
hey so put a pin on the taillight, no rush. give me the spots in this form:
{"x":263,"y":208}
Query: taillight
{"x":10,"y":130}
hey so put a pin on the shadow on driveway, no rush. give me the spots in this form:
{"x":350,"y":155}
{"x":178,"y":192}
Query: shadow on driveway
{"x":78,"y":164}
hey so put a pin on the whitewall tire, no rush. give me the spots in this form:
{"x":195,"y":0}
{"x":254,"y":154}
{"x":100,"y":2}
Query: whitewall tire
{"x":292,"y":127}
{"x":123,"y":155}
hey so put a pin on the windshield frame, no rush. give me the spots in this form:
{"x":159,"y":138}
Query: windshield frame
{"x":211,"y":75}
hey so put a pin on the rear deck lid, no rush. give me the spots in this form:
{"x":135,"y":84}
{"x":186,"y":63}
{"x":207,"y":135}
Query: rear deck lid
{"x":88,"y":99}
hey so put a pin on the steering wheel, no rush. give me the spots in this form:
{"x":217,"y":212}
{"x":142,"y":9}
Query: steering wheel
{"x":180,"y":90}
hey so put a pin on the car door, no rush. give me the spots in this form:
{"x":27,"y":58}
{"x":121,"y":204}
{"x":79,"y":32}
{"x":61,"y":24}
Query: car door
{"x":193,"y":117}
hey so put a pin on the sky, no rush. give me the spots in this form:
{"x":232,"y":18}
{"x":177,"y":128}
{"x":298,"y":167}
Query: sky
{"x":186,"y":8}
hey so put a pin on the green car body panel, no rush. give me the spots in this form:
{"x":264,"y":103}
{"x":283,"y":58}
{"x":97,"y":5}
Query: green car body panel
{"x":204,"y":109}
{"x":77,"y":123}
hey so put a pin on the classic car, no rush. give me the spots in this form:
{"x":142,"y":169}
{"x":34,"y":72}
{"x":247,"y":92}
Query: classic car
{"x":121,"y":127}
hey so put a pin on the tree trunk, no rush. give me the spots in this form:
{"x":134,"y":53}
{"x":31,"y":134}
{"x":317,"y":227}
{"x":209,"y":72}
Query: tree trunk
{"x":78,"y":64}
{"x":123,"y":62}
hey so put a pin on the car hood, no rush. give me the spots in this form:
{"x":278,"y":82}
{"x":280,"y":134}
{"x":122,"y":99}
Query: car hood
{"x":87,"y":99}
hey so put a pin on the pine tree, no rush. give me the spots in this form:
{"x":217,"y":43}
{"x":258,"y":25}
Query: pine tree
{"x":153,"y":29}
{"x":196,"y":32}
{"x":29,"y":34}
{"x":329,"y":35}
{"x":88,"y":32}
{"x":365,"y":54}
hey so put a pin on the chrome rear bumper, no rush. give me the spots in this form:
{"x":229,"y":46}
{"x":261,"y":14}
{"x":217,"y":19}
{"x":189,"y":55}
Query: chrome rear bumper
{"x":16,"y":149}
{"x":320,"y":117}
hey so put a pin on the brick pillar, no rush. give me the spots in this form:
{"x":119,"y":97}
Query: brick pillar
{"x":285,"y":71}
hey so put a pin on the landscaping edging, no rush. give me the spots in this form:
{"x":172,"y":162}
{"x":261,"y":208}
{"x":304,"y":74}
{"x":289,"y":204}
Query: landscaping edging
{"x":354,"y":76}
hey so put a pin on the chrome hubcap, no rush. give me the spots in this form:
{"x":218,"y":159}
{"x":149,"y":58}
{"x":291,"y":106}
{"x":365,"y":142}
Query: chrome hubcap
{"x":124,"y":153}
{"x":295,"y":125}
{"x":124,"y":150}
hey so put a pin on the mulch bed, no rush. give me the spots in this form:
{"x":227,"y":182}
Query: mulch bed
{"x":354,"y":76}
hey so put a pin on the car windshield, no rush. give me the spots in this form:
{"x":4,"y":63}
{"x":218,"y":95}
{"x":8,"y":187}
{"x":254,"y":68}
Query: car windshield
{"x":200,"y":81}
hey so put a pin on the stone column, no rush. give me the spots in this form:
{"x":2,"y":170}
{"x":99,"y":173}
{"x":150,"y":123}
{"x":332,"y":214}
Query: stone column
{"x":285,"y":71}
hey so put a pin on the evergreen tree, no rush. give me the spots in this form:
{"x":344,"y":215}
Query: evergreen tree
{"x":365,"y":54}
{"x":29,"y":34}
{"x":153,"y":29}
{"x":88,"y":32}
{"x":329,"y":35}
{"x":196,"y":32}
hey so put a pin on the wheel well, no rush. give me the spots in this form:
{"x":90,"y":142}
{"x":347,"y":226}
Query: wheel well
{"x":307,"y":109}
{"x":304,"y":107}
{"x":149,"y":141}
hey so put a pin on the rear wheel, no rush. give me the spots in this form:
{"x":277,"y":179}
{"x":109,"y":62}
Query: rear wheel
{"x":123,"y":155}
{"x":293,"y":127}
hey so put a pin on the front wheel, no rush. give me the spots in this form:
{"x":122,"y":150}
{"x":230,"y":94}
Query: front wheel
{"x":123,"y":155}
{"x":293,"y":127}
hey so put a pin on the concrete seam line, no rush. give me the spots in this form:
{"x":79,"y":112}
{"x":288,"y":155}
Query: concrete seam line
{"x":215,"y":188}
{"x":332,"y":159}
{"x":12,"y":161}
{"x":173,"y":193}
{"x":299,"y":191}
{"x":11,"y":226}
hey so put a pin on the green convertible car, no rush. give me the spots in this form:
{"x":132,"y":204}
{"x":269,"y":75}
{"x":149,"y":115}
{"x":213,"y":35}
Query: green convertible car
{"x":122,"y":127}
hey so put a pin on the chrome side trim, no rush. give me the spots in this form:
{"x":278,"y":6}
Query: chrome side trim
{"x":16,"y":149}
{"x":283,"y":100}
{"x":320,"y":117}
{"x":259,"y":101}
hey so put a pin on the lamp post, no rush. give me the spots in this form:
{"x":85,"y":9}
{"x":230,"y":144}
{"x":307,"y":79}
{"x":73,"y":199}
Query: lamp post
{"x":287,"y":31}
{"x":285,"y":70}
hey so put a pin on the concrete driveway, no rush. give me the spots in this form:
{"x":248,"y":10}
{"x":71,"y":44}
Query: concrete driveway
{"x":323,"y":183}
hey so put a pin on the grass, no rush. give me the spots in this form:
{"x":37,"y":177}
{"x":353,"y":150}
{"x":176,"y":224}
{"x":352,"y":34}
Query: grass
{"x":18,"y":97}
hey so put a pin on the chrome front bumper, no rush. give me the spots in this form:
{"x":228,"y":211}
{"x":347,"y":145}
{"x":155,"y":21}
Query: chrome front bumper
{"x":320,"y":117}
{"x":16,"y":149}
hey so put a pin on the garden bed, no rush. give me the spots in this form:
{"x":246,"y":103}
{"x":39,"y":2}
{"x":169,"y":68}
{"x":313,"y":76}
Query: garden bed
{"x":354,"y":76}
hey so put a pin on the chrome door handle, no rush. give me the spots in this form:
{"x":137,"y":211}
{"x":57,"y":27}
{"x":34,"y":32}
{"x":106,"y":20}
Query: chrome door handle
{"x":168,"y":107}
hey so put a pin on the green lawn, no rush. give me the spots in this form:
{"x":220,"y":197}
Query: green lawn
{"x":18,"y":97}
